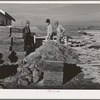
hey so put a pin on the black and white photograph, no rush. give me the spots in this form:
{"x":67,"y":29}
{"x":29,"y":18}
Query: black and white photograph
{"x":49,"y":46}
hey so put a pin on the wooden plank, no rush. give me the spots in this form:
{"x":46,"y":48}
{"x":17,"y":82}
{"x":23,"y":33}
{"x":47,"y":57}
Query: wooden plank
{"x":53,"y":77}
{"x":42,"y":37}
{"x":53,"y":72}
{"x":17,"y":29}
{"x":49,"y":61}
{"x":87,"y":64}
{"x":52,"y":66}
{"x":52,"y":82}
{"x":17,"y":35}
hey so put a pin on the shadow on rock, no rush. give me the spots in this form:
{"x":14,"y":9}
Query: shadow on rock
{"x":70,"y":71}
{"x":7,"y":70}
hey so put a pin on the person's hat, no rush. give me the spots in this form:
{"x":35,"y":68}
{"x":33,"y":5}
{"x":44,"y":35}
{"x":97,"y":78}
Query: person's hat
{"x":47,"y":20}
{"x":56,"y":22}
{"x":27,"y":22}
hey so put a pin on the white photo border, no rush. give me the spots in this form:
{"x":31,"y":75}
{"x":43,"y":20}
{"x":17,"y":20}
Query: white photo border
{"x":49,"y":93}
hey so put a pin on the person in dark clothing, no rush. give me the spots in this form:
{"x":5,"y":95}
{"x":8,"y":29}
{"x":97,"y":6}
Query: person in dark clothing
{"x":28,"y":39}
{"x":26,"y":32}
{"x":30,"y":44}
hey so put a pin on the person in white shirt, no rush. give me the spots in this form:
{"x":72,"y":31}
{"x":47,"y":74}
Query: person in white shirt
{"x":60,"y":32}
{"x":49,"y":30}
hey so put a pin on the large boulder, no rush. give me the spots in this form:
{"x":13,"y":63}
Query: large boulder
{"x":31,"y":67}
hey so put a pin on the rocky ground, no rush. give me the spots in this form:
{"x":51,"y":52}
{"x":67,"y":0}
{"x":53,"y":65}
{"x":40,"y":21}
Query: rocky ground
{"x":87,"y":59}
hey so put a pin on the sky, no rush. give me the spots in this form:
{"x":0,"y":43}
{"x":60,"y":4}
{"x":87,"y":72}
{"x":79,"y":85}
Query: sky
{"x":68,"y":14}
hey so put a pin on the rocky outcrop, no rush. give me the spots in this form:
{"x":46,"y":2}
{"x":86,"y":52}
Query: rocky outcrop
{"x":32,"y":66}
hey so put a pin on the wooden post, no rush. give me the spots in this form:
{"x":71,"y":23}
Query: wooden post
{"x":12,"y":41}
{"x":11,"y":46}
{"x":34,"y":39}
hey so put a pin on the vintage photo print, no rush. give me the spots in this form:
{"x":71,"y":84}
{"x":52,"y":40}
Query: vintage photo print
{"x":50,"y":46}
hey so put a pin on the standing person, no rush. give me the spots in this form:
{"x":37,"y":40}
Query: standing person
{"x":49,"y":30}
{"x":60,"y":32}
{"x":26,"y":31}
{"x":28,"y":39}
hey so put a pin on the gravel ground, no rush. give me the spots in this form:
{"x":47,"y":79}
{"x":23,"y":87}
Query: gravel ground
{"x":80,"y":81}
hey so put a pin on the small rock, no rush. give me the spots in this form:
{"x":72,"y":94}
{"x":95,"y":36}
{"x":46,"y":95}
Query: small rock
{"x":23,"y":82}
{"x":35,"y":75}
{"x":1,"y":87}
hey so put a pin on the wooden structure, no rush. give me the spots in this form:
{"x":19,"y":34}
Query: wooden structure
{"x":40,"y":40}
{"x":58,"y":73}
{"x":5,"y":18}
{"x":17,"y":32}
{"x":53,"y":72}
